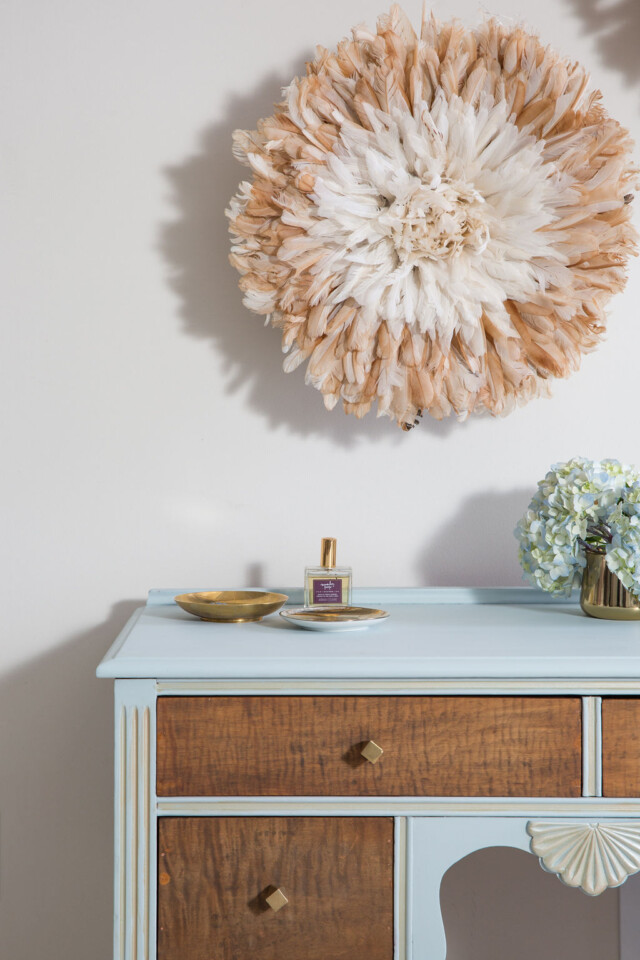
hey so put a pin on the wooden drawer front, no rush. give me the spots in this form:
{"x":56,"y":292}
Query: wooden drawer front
{"x":214,"y":874}
{"x":621,"y":748}
{"x":310,"y":746}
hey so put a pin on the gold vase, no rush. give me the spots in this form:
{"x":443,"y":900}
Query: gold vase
{"x":603,"y":595}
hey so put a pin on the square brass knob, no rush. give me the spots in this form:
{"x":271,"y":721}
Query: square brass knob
{"x":371,"y":752}
{"x":277,"y":900}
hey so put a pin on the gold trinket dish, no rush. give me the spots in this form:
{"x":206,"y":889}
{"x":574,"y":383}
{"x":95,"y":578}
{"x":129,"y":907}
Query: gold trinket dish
{"x":324,"y":616}
{"x":231,"y":606}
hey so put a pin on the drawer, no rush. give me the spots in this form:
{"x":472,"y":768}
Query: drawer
{"x":621,"y":747}
{"x":215,"y":873}
{"x":311,"y":746}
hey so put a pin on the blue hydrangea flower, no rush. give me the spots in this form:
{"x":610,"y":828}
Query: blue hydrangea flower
{"x":593,"y":504}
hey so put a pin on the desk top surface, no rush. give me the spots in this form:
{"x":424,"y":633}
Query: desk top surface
{"x":439,"y":633}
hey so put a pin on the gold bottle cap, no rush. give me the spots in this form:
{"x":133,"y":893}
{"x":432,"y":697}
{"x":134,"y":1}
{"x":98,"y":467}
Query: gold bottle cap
{"x":328,"y":552}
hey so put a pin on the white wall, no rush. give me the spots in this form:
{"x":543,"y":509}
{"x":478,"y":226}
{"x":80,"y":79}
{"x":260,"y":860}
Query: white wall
{"x":149,"y":436}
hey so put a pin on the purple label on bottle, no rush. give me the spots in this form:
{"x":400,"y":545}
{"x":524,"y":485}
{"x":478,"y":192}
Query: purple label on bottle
{"x":327,"y":591}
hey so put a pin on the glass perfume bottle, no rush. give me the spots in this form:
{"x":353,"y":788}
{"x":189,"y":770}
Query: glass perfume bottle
{"x":327,"y":583}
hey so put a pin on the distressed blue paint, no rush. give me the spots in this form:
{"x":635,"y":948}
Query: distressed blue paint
{"x":448,"y":640}
{"x":424,"y":638}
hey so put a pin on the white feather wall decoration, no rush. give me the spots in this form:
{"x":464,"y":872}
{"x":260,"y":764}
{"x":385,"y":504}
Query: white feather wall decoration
{"x":436,"y":221}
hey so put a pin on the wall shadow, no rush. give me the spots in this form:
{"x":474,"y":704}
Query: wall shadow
{"x":56,"y":801}
{"x":498,"y":904}
{"x":476,"y":547}
{"x":195,"y":246}
{"x":615,"y":24}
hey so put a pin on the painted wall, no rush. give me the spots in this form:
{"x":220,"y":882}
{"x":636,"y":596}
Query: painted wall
{"x":149,"y":436}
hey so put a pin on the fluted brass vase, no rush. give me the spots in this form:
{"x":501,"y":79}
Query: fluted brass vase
{"x":603,"y":595}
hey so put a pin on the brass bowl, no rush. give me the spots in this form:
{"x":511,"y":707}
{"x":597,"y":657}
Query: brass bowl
{"x":231,"y":606}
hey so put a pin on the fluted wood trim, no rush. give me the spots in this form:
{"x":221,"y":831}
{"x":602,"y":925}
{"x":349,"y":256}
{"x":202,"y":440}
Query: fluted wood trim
{"x":135,"y":813}
{"x":146,"y":815}
{"x":134,"y":833}
{"x":122,"y":826}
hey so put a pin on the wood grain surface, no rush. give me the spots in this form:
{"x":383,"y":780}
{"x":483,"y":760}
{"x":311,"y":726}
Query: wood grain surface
{"x":310,"y":746}
{"x":621,"y":747}
{"x":215,"y":872}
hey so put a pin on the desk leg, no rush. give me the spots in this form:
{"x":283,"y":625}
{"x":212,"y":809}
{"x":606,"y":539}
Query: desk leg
{"x":608,"y":851}
{"x":435,"y":844}
{"x":630,"y":919}
{"x":135,"y":823}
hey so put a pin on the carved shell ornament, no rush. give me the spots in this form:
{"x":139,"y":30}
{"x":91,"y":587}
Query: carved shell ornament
{"x":435,"y":221}
{"x":593,"y":856}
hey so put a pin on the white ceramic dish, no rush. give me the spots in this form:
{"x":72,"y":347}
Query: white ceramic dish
{"x":331,"y":619}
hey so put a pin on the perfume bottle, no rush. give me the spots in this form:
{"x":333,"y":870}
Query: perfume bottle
{"x":327,"y":583}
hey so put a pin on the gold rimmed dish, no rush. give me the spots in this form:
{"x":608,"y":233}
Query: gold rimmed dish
{"x":332,"y":618}
{"x":231,"y":606}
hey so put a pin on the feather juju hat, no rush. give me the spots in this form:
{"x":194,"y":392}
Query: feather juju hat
{"x":435,"y":222}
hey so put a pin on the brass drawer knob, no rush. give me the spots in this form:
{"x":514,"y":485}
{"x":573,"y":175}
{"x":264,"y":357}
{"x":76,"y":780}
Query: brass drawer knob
{"x":371,"y":751}
{"x":277,"y":900}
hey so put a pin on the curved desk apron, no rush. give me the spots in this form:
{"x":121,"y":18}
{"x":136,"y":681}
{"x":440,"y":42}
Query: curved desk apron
{"x":277,"y":788}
